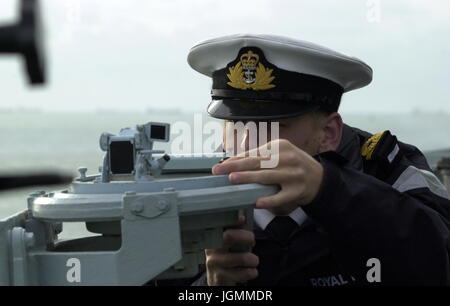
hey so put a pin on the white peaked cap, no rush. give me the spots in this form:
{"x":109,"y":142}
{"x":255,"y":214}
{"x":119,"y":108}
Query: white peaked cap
{"x":286,"y":53}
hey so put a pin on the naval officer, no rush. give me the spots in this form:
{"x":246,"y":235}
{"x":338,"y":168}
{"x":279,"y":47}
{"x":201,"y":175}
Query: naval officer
{"x":348,"y":200}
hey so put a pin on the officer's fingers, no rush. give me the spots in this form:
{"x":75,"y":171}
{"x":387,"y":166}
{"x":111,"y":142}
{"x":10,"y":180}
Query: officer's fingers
{"x":285,"y":200}
{"x":232,"y":260}
{"x":219,"y":277}
{"x":272,"y":147}
{"x":243,"y":274}
{"x":238,"y":237}
{"x":232,"y":158}
{"x":243,"y":164}
{"x":213,"y":252}
{"x":266,"y":177}
{"x":263,"y":152}
{"x":230,"y":277}
{"x":239,"y":275}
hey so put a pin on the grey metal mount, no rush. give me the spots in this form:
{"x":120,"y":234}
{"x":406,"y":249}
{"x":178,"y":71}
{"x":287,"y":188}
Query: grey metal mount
{"x":149,"y":230}
{"x":149,"y":225}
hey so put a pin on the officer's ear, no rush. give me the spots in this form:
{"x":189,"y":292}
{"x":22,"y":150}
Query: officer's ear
{"x":331,"y":131}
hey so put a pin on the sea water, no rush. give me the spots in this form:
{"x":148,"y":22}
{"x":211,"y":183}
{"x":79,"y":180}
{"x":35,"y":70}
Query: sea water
{"x":38,"y":140}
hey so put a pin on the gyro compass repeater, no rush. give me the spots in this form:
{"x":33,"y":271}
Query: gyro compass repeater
{"x":152,"y":214}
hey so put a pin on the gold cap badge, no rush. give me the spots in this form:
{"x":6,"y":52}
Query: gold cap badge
{"x":249,"y":73}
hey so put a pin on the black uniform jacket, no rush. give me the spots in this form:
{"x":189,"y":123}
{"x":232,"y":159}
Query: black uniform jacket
{"x":382,"y":220}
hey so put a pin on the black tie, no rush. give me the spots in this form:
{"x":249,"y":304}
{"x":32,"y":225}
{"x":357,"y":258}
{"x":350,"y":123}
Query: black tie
{"x":281,"y":228}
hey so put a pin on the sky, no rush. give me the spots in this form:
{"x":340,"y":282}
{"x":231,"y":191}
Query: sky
{"x":131,"y":54}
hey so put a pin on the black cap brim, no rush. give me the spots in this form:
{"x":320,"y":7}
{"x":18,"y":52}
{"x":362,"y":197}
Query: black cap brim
{"x":240,"y":109}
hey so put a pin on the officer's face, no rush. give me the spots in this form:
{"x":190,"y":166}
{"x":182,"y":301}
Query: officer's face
{"x":313,"y":133}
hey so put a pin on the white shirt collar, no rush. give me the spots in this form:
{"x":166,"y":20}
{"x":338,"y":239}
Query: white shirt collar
{"x":263,"y":217}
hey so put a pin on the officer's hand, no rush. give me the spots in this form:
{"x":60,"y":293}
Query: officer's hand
{"x":298,"y":174}
{"x":224,"y":268}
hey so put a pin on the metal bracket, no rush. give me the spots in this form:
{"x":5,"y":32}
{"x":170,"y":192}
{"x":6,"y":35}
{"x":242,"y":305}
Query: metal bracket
{"x":20,"y":242}
{"x":149,"y":206}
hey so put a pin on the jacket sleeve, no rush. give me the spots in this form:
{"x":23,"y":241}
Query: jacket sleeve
{"x":405,"y":227}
